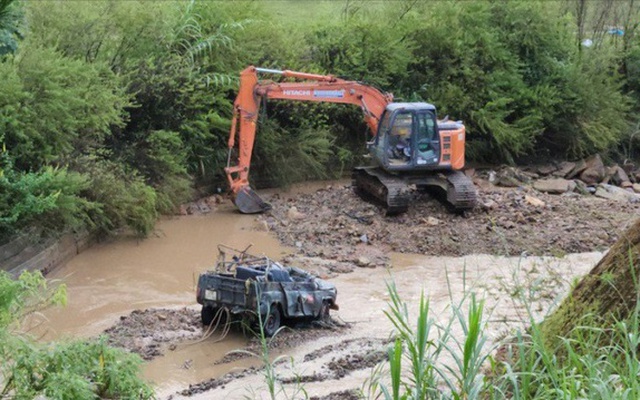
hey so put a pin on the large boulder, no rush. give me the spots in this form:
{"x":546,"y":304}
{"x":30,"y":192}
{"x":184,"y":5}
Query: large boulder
{"x":619,"y":177}
{"x":595,"y":171}
{"x":554,"y":186}
{"x":577,"y":169}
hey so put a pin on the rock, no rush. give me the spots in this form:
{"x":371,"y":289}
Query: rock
{"x":554,"y":185}
{"x":636,"y":187}
{"x":626,"y":185}
{"x":203,"y":207}
{"x":488,"y":205}
{"x":470,"y":172}
{"x":564,"y":169}
{"x":263,"y":226}
{"x":431,"y":221}
{"x":298,"y":244}
{"x":364,"y":239}
{"x":629,"y":167}
{"x":546,"y":169}
{"x":183,"y":210}
{"x":594,"y":171}
{"x":615,"y":193}
{"x":363,"y":262}
{"x":577,"y":169}
{"x":493,"y":177}
{"x":162,"y":317}
{"x":294,"y":214}
{"x":510,"y":177}
{"x":591,"y":176}
{"x":534,"y":201}
{"x":582,"y":187}
{"x":212,"y":201}
{"x":341,"y":267}
{"x":619,"y":176}
{"x":218,"y":199}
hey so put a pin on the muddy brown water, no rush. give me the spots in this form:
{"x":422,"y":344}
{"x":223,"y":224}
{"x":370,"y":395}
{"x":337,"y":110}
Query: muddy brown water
{"x":112,"y":279}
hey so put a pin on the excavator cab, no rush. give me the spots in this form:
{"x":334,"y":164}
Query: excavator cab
{"x":408,"y":138}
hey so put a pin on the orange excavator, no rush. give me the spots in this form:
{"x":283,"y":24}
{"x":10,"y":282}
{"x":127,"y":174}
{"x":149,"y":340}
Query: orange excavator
{"x":409,"y":145}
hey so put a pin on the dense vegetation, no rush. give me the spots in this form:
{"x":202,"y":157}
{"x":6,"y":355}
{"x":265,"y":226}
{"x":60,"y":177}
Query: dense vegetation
{"x":111,"y":112}
{"x":68,"y":370}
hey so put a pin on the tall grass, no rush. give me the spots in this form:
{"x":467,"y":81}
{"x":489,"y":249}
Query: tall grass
{"x":452,"y":360}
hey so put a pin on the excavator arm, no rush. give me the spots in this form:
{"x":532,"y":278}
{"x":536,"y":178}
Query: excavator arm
{"x":311,"y":87}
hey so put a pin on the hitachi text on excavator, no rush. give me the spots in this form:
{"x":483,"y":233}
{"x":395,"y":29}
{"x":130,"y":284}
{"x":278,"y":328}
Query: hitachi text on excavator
{"x":409,"y":145}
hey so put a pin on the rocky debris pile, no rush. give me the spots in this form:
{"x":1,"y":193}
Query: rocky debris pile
{"x":148,"y":332}
{"x":588,"y":176}
{"x":202,"y":206}
{"x":335,"y":225}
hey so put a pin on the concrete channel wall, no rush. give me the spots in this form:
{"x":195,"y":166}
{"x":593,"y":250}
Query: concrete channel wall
{"x":24,"y":255}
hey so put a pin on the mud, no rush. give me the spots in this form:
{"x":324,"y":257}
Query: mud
{"x":289,"y":337}
{"x":150,"y":333}
{"x":342,"y":395}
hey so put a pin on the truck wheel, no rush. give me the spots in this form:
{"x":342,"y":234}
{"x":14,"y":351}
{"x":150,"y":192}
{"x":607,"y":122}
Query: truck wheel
{"x":272,"y":322}
{"x":207,"y":314}
{"x":324,"y":311}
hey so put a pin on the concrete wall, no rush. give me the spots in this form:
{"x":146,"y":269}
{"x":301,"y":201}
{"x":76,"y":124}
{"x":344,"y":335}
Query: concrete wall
{"x":21,"y":254}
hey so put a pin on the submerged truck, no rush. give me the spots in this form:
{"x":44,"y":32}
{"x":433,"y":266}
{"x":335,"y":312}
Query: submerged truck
{"x":254,"y":289}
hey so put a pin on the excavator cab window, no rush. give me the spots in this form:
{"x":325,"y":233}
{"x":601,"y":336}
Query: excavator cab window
{"x":427,"y":140}
{"x":399,"y":148}
{"x":383,"y":129}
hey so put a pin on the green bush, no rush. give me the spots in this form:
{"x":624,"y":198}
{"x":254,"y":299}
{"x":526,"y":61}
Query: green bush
{"x":125,"y":199}
{"x":55,"y":108}
{"x":66,"y":370}
{"x":48,"y":200}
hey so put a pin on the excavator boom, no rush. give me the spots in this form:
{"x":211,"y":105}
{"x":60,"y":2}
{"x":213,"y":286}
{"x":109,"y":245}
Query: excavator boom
{"x":313,"y":87}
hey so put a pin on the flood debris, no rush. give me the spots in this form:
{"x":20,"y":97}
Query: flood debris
{"x":507,"y":221}
{"x":151,"y":332}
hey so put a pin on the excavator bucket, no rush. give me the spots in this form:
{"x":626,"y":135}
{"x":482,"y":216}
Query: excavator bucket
{"x":248,"y":202}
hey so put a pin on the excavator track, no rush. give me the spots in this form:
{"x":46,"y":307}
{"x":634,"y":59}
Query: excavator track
{"x":458,"y":189}
{"x":393,"y":191}
{"x":387,"y":189}
{"x":461,"y":193}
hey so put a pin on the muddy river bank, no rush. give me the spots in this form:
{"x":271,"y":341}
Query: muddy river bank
{"x":142,"y":294}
